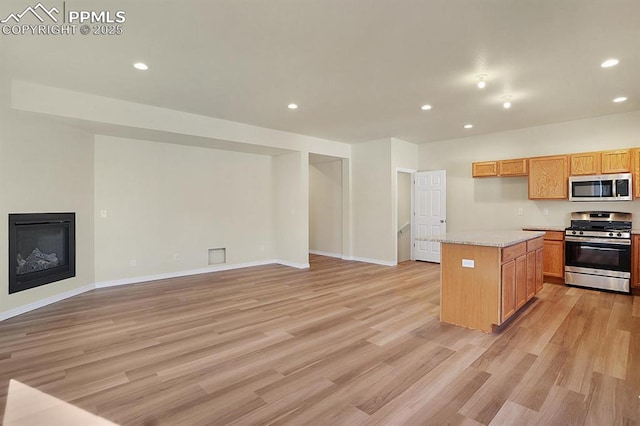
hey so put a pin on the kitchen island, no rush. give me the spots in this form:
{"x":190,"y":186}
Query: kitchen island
{"x":487,"y":276}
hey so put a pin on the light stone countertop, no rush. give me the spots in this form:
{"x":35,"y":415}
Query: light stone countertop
{"x":544,"y":228}
{"x":492,"y":238}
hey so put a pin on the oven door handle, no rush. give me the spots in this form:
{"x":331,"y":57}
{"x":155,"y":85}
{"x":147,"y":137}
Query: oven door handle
{"x":597,"y":240}
{"x":599,"y":248}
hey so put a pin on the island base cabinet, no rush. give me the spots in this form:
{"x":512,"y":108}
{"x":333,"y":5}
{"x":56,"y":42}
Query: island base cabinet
{"x":508,"y":290}
{"x":539,"y":269}
{"x":482,"y":287}
{"x":470,"y":297}
{"x":514,"y":286}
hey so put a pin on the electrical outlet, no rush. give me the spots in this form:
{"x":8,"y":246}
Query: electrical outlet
{"x":133,"y":263}
{"x":103,"y":214}
{"x":176,"y":257}
{"x":520,"y":211}
{"x":545,"y":212}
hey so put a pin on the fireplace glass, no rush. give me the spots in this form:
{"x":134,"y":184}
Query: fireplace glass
{"x":41,"y":249}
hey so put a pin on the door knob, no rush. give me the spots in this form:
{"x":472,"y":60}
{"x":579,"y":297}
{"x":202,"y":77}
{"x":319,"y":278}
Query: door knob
{"x":442,"y":220}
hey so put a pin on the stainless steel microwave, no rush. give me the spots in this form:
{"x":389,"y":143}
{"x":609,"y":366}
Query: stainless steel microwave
{"x":601,"y":188}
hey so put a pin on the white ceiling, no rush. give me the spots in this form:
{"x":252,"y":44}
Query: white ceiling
{"x":359,"y":69}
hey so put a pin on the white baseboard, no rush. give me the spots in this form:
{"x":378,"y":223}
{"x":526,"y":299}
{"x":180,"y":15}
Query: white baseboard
{"x":326,"y":253}
{"x":375,"y":261}
{"x":216,"y":268}
{"x":292,"y":264}
{"x":44,"y":302}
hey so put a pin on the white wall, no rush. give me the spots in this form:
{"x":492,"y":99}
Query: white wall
{"x":45,"y":167}
{"x":291,"y":208}
{"x":164,"y":199}
{"x":325,"y":207}
{"x":374,"y":176}
{"x":404,"y":156}
{"x":493,"y":203}
{"x":373,"y":210}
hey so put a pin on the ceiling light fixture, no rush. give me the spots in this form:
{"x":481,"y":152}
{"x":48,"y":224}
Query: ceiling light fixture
{"x":468,"y":126}
{"x":481,"y":81}
{"x":292,"y":106}
{"x":609,"y":63}
{"x":425,"y":107}
{"x":141,"y":66}
{"x":620,"y":99}
{"x":506,"y":101}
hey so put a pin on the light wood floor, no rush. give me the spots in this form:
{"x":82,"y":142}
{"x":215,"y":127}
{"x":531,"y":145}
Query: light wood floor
{"x":342,"y":343}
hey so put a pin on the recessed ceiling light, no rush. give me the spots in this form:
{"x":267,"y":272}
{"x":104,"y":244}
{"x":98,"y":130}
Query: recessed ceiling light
{"x":506,"y":101}
{"x":426,"y":107}
{"x":468,"y":126}
{"x":620,"y":99}
{"x":141,"y":66}
{"x":292,"y":106}
{"x":481,"y":81}
{"x":609,"y":63}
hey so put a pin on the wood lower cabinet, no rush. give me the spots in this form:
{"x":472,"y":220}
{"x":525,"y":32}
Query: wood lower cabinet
{"x":483,"y":286}
{"x":616,"y":161}
{"x":539,"y":269}
{"x":508,"y":277}
{"x":549,"y":177}
{"x":521,"y":275}
{"x":521,"y":281}
{"x":554,"y":254}
{"x":554,"y":259}
{"x":635,"y":261}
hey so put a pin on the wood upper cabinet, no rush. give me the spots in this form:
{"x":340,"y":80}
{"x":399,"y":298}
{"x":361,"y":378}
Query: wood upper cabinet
{"x":586,"y":163}
{"x":616,"y":161}
{"x":505,"y":168}
{"x":484,"y":169}
{"x":515,"y":167}
{"x":548,"y":177}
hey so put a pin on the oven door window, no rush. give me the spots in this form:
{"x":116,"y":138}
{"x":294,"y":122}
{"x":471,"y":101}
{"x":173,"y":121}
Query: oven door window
{"x":592,"y":189}
{"x":611,"y":257}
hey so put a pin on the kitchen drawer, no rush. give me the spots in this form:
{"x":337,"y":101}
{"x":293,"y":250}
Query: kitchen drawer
{"x":554,"y":235}
{"x":511,"y":252}
{"x":534,"y":244}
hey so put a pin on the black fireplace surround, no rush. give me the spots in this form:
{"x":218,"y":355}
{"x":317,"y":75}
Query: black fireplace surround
{"x":42,"y":249}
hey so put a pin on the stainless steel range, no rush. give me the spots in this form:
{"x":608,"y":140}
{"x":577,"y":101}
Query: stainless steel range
{"x":598,"y":251}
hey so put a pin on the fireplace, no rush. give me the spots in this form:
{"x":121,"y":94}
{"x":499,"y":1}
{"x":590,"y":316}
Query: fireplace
{"x":42,"y":249}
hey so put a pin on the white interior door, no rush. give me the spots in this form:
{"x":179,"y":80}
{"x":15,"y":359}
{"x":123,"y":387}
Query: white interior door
{"x":430,"y":213}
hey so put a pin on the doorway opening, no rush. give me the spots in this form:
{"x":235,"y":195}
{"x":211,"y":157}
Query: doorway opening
{"x":404,"y":210}
{"x":326,"y":205}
